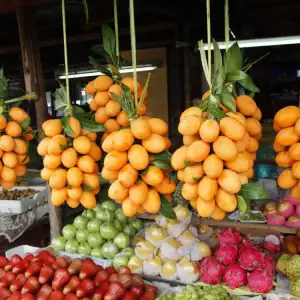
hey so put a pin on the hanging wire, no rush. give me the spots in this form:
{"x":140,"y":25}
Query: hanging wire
{"x":133,"y":49}
{"x":69,"y":106}
{"x":208,"y":40}
{"x":227,"y":29}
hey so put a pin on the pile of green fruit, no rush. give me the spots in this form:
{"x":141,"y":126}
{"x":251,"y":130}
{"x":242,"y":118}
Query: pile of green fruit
{"x":198,"y":292}
{"x":103,"y":232}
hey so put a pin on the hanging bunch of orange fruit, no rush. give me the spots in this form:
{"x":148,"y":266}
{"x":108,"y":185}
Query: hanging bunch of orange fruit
{"x":70,"y":155}
{"x":16,"y":133}
{"x":220,"y":140}
{"x":136,"y":151}
{"x":286,"y":144}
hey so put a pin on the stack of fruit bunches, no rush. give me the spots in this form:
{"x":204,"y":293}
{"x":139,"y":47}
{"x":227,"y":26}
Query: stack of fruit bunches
{"x":46,"y":277}
{"x":200,"y":293}
{"x":217,"y":156}
{"x":104,"y":232}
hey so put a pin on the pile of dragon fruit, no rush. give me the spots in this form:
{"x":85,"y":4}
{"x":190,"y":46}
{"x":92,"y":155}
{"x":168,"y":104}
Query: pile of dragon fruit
{"x":238,"y":262}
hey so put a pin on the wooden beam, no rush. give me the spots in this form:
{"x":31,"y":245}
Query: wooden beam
{"x":34,"y":82}
{"x":94,"y":36}
{"x":12,"y":5}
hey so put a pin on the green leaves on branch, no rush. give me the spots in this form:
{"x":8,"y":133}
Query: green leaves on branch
{"x":92,"y":126}
{"x":166,"y":208}
{"x":162,"y":160}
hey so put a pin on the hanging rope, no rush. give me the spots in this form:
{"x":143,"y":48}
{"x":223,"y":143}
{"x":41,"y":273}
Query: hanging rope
{"x":227,"y":29}
{"x":69,"y":106}
{"x":208,"y":40}
{"x":133,"y":49}
{"x":117,"y":30}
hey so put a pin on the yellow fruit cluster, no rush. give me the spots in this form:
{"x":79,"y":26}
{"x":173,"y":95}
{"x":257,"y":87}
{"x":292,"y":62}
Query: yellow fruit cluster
{"x":13,"y":146}
{"x":130,"y":146}
{"x":217,"y":156}
{"x":286,"y":144}
{"x":70,"y":163}
{"x":107,"y":110}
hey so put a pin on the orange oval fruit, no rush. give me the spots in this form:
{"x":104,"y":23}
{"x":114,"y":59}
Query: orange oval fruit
{"x":191,"y":111}
{"x":8,"y":174}
{"x":153,"y":176}
{"x":109,"y":174}
{"x":138,"y":192}
{"x":297,"y":127}
{"x":18,"y":114}
{"x":122,"y":119}
{"x":140,"y":128}
{"x":128,"y":81}
{"x":9,"y":159}
{"x":253,"y":127}
{"x":95,"y":152}
{"x":257,"y":115}
{"x":239,"y":164}
{"x":209,"y":130}
{"x":112,"y":108}
{"x":142,"y":109}
{"x":92,"y":136}
{"x":90,"y":89}
{"x":178,"y":158}
{"x":20,"y":170}
{"x":75,"y":192}
{"x":192,"y":174}
{"x":189,"y":191}
{"x":58,"y":179}
{"x":226,"y":201}
{"x":129,"y":207}
{"x":82,"y":145}
{"x":102,"y":83}
{"x":42,"y":148}
{"x":88,"y":200}
{"x":75,"y":177}
{"x":115,"y":160}
{"x":7,"y":185}
{"x":152,"y":202}
{"x":128,"y":175}
{"x":101,"y":115}
{"x":112,"y":125}
{"x":52,"y":161}
{"x":284,"y":160}
{"x":232,"y":128}
{"x":230,"y":181}
{"x":180,"y":175}
{"x":238,"y":116}
{"x":20,"y":146}
{"x":158,"y":126}
{"x":58,"y":197}
{"x":101,"y":98}
{"x":213,"y":166}
{"x":23,"y":159}
{"x":47,"y":173}
{"x":243,"y":144}
{"x":69,"y":157}
{"x":218,"y":214}
{"x":138,"y":157}
{"x":52,"y":127}
{"x":189,"y":139}
{"x":3,"y":122}
{"x":197,"y":151}
{"x":73,"y":203}
{"x":243,"y":178}
{"x":253,"y":145}
{"x":207,"y":188}
{"x":246,"y":105}
{"x":296,"y":169}
{"x":86,"y":164}
{"x":287,"y":116}
{"x":168,"y":186}
{"x":115,"y":91}
{"x":108,"y":142}
{"x":92,"y":104}
{"x":13,"y":129}
{"x":276,"y":127}
{"x":225,"y":148}
{"x":189,"y":125}
{"x":57,"y":144}
{"x":91,"y":180}
{"x":155,"y":143}
{"x":123,"y":139}
{"x":287,"y":136}
{"x":286,"y":180}
{"x":117,"y":192}
{"x":294,"y":151}
{"x":168,"y":143}
{"x":75,"y":127}
{"x":205,"y":208}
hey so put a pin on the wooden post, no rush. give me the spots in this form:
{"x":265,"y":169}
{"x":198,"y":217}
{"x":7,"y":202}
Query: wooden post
{"x":34,"y":82}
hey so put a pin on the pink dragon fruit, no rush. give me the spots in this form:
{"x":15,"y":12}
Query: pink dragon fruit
{"x":260,"y":282}
{"x":250,"y":258}
{"x":211,"y":270}
{"x":272,"y":243}
{"x":227,"y":254}
{"x":235,"y":276}
{"x":246,"y":242}
{"x":269,"y":264}
{"x":229,"y":236}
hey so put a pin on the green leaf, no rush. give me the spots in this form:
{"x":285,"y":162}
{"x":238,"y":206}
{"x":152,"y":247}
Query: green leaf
{"x":252,"y":94}
{"x":165,"y":155}
{"x":103,"y":194}
{"x":233,"y":59}
{"x":215,"y":111}
{"x":218,"y":81}
{"x":161,"y":164}
{"x":236,"y":76}
{"x":196,"y":179}
{"x":25,"y":123}
{"x":217,"y":56}
{"x":67,"y":129}
{"x":188,"y":163}
{"x":99,"y":50}
{"x":86,"y":188}
{"x":242,"y":204}
{"x":77,"y":110}
{"x":60,"y":98}
{"x":253,"y":191}
{"x":92,"y":126}
{"x":166,"y":208}
{"x":109,"y":41}
{"x":24,"y":159}
{"x":226,"y":100}
{"x":249,"y":85}
{"x":86,"y":11}
{"x":204,"y":61}
{"x":142,"y":172}
{"x":204,"y":105}
{"x":115,"y":96}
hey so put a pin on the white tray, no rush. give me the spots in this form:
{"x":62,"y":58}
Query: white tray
{"x":22,"y":205}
